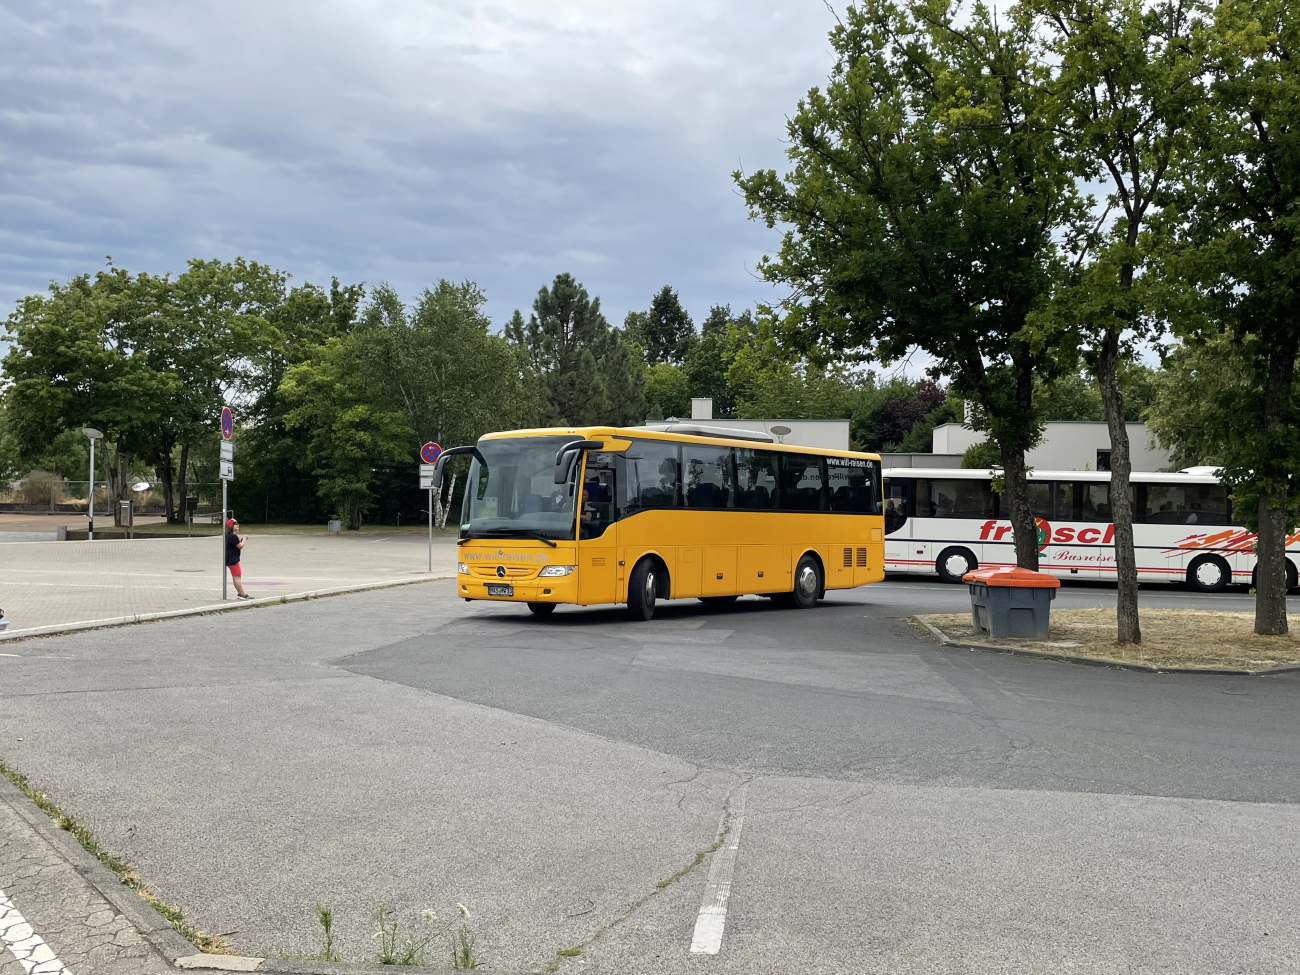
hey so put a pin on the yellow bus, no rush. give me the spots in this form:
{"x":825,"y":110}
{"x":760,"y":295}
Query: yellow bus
{"x":596,"y":515}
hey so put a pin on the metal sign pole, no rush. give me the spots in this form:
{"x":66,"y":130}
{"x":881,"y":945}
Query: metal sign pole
{"x":431,"y":528}
{"x":224,"y":482}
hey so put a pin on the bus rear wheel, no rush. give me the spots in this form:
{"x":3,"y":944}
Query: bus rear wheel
{"x":1209,"y":573}
{"x":642,"y":588}
{"x":1292,"y":577}
{"x":542,"y":609}
{"x":807,"y":583}
{"x":955,"y":562}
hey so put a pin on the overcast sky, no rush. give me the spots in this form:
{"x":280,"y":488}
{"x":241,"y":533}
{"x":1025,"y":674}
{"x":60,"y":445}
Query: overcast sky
{"x":402,"y":141}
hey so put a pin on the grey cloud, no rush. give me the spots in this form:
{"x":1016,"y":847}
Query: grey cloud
{"x":502,"y":143}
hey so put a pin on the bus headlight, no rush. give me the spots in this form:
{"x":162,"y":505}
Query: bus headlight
{"x":556,"y":570}
{"x":462,"y":568}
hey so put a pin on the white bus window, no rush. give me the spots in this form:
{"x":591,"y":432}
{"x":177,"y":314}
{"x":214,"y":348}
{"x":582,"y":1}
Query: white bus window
{"x":897,"y":504}
{"x":1185,"y":504}
{"x":1096,"y":502}
{"x":1041,"y":498}
{"x":953,"y":499}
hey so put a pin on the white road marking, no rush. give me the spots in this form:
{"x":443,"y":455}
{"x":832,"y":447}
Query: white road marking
{"x":707,"y":939}
{"x":36,"y":957}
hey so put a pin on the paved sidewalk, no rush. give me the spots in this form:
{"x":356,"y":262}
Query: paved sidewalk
{"x":59,"y":584}
{"x":52,"y":920}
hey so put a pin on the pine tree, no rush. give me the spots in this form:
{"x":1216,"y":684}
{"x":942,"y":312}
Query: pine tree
{"x":665,"y":332}
{"x":589,"y":372}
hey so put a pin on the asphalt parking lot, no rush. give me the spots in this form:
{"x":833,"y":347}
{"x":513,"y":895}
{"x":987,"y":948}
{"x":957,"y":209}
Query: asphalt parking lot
{"x":888,"y":805}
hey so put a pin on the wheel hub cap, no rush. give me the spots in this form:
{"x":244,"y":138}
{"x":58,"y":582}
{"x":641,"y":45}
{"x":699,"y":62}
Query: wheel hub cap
{"x":808,"y":581}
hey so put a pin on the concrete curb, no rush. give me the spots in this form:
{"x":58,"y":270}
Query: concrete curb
{"x":1074,"y":658}
{"x":227,"y":607}
{"x":152,"y":926}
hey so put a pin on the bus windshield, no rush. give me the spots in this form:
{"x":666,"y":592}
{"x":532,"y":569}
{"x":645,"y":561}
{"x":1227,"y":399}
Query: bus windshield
{"x":511,"y":491}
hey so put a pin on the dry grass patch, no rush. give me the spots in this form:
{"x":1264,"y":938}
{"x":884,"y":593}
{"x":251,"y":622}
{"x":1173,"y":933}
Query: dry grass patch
{"x":1170,"y":638}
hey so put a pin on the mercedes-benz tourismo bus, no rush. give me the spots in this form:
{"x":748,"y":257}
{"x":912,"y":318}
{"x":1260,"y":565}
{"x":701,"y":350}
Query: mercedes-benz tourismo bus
{"x":634,"y":515}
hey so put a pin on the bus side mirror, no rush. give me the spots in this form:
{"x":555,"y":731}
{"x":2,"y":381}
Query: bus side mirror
{"x":436,"y":479}
{"x":567,"y":455}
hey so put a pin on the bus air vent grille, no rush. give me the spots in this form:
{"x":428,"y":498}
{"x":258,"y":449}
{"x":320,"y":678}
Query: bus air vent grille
{"x":862,"y":557}
{"x":848,"y":558}
{"x":598,"y":561}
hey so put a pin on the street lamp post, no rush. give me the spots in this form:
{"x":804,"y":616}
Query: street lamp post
{"x":92,"y":434}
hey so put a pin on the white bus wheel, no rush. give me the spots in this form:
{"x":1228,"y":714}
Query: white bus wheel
{"x":1292,"y":582}
{"x":1209,"y":573}
{"x":955,"y":562}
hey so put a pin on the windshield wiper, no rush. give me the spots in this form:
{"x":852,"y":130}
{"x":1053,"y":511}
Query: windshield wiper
{"x":508,"y":533}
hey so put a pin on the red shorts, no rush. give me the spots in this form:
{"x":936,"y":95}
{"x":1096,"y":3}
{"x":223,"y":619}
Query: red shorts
{"x":235,"y":570}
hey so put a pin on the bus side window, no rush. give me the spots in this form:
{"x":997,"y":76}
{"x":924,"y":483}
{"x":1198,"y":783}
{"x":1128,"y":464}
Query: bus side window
{"x":852,"y":485}
{"x":756,"y":478}
{"x":652,"y":475}
{"x":707,"y":477}
{"x":897,"y":503}
{"x":801,"y":483}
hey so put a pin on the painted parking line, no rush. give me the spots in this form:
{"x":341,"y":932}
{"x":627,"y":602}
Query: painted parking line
{"x":707,"y":939}
{"x":36,"y":957}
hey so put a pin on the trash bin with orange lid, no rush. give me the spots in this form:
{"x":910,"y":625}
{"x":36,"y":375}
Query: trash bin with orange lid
{"x":1011,"y":601}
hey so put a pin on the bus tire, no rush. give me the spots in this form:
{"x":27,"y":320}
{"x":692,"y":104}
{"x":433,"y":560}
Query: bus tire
{"x":807,"y":583}
{"x":1209,"y":573}
{"x":642,"y":588}
{"x":1292,"y":579}
{"x":954,"y":562}
{"x":542,"y":609}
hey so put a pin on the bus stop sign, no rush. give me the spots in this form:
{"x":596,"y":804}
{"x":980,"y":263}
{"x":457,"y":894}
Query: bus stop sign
{"x":227,"y":423}
{"x":430,"y":453}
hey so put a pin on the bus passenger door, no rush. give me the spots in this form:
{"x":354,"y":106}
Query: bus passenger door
{"x":597,"y":533}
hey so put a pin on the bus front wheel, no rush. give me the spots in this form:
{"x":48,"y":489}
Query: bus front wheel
{"x":1209,"y":573}
{"x":953,"y":563}
{"x":642,"y":588}
{"x":542,"y":609}
{"x":807,"y":583}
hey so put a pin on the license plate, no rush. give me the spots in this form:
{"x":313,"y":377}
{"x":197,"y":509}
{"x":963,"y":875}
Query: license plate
{"x":496,"y":589}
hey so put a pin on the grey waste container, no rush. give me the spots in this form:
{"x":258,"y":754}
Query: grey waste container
{"x":1011,"y":602}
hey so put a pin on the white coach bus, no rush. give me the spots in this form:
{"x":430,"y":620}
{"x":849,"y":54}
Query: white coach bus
{"x":951,"y":521}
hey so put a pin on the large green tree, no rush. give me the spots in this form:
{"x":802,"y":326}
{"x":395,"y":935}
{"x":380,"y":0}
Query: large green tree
{"x":1237,"y":213}
{"x":927,"y":206}
{"x":1126,"y":93}
{"x":82,"y":355}
{"x":588,"y":373}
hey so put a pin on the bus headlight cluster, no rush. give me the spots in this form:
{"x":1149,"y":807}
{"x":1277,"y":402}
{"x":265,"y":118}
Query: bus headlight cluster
{"x":556,"y":570}
{"x":462,"y":568}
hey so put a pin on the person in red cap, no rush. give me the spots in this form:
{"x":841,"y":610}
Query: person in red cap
{"x":234,"y":544}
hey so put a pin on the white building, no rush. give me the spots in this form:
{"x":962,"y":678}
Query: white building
{"x":1068,"y":445}
{"x":833,"y":434}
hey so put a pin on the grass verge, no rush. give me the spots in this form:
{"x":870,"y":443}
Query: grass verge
{"x":125,"y":872}
{"x":1170,"y":638}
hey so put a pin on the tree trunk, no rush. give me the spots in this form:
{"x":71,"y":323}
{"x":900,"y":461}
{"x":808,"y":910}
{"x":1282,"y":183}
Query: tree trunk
{"x":1270,"y":566}
{"x":1015,"y":492}
{"x":110,"y":483}
{"x":181,"y":509}
{"x":444,"y":510}
{"x":164,"y":471}
{"x":1121,"y":507}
